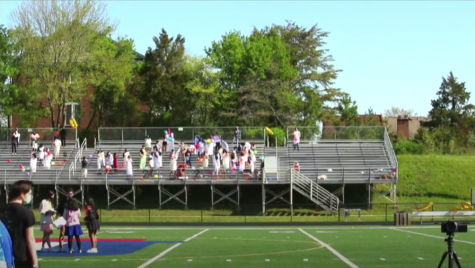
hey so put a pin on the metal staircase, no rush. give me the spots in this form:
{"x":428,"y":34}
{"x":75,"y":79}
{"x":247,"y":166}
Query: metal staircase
{"x":316,"y":193}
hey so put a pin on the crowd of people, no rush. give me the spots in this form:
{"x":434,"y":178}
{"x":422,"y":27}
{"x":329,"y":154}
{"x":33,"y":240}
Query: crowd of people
{"x":18,"y":243}
{"x":241,"y":159}
{"x":39,"y":154}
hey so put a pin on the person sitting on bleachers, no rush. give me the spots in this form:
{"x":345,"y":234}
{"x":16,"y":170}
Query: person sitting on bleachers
{"x":157,"y":157}
{"x":181,"y":172}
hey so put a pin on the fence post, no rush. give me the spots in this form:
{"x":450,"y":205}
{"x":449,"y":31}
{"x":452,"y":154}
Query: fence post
{"x":149,"y":217}
{"x":386,"y":212}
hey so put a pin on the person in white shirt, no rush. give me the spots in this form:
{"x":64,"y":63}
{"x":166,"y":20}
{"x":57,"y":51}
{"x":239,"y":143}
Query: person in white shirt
{"x":148,"y":142}
{"x":216,"y":163}
{"x":48,"y":158}
{"x":100,"y":161}
{"x":57,"y":148}
{"x":125,"y":156}
{"x":47,"y":212}
{"x":41,"y":153}
{"x":33,"y":162}
{"x":296,"y":139}
{"x":129,"y":167}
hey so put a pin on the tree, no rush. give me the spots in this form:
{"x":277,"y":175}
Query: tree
{"x":348,"y":111}
{"x":451,"y":108}
{"x":15,"y":99}
{"x":57,"y":38}
{"x":316,"y":73}
{"x":396,"y":111}
{"x":163,"y":81}
{"x":110,"y":67}
{"x":203,"y":87}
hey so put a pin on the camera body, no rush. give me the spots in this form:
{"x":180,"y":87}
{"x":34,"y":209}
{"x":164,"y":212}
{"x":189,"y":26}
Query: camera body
{"x":451,"y":227}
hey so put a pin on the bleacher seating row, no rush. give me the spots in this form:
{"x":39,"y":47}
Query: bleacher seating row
{"x":10,"y":163}
{"x":326,"y":162}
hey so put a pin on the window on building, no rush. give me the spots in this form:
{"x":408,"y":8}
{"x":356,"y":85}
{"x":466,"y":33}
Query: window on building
{"x":73,"y":109}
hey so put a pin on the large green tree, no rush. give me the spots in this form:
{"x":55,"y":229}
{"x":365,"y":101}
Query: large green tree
{"x":57,"y":38}
{"x":316,"y":72}
{"x":110,"y":68}
{"x":452,"y":107}
{"x":163,"y":81}
{"x":15,"y":99}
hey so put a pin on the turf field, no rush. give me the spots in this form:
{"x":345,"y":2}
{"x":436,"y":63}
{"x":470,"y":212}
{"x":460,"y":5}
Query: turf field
{"x":331,"y":247}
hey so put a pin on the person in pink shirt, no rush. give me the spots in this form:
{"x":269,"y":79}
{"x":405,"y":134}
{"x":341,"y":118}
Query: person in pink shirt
{"x":72,"y":215}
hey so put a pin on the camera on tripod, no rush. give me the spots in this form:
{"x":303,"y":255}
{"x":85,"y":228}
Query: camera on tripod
{"x":451,"y":227}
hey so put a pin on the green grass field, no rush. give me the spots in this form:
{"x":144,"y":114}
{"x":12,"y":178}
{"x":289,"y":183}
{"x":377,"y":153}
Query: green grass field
{"x":331,"y":247}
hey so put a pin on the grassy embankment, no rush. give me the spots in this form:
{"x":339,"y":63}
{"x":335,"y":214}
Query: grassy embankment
{"x":442,"y":179}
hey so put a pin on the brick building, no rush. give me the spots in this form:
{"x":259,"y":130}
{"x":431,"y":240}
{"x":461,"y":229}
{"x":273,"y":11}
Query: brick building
{"x":81,"y":111}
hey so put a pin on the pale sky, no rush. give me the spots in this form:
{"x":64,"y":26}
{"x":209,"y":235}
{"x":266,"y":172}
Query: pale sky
{"x":391,"y":53}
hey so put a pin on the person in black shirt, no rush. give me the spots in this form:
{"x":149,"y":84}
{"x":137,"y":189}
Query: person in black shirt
{"x":62,"y":134}
{"x":20,"y":221}
{"x":15,"y":141}
{"x":60,"y":212}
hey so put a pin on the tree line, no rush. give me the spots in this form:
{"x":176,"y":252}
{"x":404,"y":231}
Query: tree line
{"x":59,"y":52}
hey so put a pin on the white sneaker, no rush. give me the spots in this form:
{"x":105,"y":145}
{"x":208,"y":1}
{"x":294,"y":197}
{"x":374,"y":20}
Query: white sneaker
{"x":92,"y":250}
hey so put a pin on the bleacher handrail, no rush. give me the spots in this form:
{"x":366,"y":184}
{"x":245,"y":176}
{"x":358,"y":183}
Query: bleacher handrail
{"x":392,"y":154}
{"x":43,"y":132}
{"x":322,"y":196}
{"x":181,"y":133}
{"x":315,"y":133}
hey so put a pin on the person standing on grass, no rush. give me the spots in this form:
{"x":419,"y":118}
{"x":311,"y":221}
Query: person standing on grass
{"x":72,"y":215}
{"x":47,"y":212}
{"x":20,"y":222}
{"x":60,"y":212}
{"x":92,"y":223}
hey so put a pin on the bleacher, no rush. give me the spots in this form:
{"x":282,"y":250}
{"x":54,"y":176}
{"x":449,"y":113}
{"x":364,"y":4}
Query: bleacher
{"x":10,"y":163}
{"x":340,"y":161}
{"x":196,"y":173}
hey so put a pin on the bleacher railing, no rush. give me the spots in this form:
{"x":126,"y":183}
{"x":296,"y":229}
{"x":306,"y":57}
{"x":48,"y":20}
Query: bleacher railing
{"x":122,"y":134}
{"x":315,"y":192}
{"x":343,"y":175}
{"x":46,"y":134}
{"x":392,"y":154}
{"x":314,"y":134}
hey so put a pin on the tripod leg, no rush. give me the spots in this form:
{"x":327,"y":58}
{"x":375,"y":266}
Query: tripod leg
{"x":456,"y":258}
{"x":443,"y":259}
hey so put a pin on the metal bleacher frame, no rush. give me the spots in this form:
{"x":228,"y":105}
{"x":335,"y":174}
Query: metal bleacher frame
{"x":355,"y":155}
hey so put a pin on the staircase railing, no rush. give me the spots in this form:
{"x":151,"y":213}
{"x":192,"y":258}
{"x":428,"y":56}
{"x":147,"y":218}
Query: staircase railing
{"x":391,"y":153}
{"x":83,"y":146}
{"x":317,"y":194}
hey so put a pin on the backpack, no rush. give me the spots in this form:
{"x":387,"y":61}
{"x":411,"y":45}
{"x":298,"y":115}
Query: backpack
{"x":6,"y":248}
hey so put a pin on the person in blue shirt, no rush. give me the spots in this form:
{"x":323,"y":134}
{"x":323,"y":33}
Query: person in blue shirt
{"x":6,"y":248}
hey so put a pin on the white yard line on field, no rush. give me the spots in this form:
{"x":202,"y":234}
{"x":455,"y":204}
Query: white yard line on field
{"x":332,"y":250}
{"x":163,"y":253}
{"x":433,"y":236}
